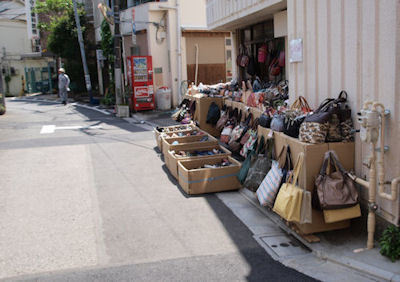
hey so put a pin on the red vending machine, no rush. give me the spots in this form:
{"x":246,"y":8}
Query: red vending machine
{"x":140,"y":73}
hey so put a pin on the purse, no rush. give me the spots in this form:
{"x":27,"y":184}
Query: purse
{"x":315,"y":126}
{"x":288,"y":202}
{"x":336,"y":189}
{"x":238,"y":132}
{"x":269,"y":187}
{"x":301,"y":104}
{"x":251,"y":141}
{"x":331,"y":216}
{"x":244,"y":169}
{"x":278,"y":123}
{"x":223,"y":119}
{"x":260,"y":166}
{"x":293,"y":119}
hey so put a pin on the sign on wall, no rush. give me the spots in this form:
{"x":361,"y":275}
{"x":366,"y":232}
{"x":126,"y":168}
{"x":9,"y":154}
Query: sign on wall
{"x":296,"y":50}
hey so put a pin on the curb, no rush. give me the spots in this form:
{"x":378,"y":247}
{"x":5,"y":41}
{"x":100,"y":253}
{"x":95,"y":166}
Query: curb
{"x":344,"y":261}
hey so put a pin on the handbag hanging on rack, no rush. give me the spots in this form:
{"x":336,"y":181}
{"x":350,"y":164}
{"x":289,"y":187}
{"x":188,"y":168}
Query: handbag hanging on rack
{"x":288,"y":203}
{"x":269,"y":187}
{"x":261,"y":166}
{"x":335,"y":189}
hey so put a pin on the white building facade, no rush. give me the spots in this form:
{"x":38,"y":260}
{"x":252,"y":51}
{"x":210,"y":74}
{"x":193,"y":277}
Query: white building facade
{"x":351,"y":45}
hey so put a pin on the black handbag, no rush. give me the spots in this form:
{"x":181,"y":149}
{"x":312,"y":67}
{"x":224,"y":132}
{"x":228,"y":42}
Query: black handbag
{"x":292,"y":125}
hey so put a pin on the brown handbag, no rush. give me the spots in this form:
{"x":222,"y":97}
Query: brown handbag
{"x":335,"y":189}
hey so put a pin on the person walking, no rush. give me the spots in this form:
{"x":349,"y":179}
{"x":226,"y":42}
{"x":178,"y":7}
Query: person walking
{"x":63,"y":85}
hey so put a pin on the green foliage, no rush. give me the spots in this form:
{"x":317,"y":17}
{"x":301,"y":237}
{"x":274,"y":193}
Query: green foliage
{"x":63,"y":37}
{"x":109,"y":97}
{"x":390,"y":243}
{"x":107,"y":41}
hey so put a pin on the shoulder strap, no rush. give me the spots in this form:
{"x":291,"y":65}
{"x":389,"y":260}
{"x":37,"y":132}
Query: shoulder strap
{"x":282,"y":156}
{"x":297,"y":169}
{"x":261,"y":145}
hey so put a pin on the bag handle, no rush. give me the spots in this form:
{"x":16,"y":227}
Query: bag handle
{"x":327,"y":102}
{"x":261,"y":145}
{"x":297,"y":168}
{"x":331,"y":157}
{"x":269,"y":148}
{"x":342,"y":96}
{"x":282,"y":156}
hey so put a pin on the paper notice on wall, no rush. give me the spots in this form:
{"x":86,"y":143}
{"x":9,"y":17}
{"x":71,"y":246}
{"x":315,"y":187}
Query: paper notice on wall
{"x":296,"y":50}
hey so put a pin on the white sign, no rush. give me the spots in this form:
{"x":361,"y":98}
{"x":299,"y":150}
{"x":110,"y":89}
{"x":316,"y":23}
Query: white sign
{"x":296,"y":50}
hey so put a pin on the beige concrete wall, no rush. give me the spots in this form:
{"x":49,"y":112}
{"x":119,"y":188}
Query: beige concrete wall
{"x":211,"y":50}
{"x":352,"y":45}
{"x":14,"y":37}
{"x":193,"y":13}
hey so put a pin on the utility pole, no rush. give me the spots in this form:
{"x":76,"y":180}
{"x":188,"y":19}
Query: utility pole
{"x":117,"y":50}
{"x":2,"y":98}
{"x":82,"y":47}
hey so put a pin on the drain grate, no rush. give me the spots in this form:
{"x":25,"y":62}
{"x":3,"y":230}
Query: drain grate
{"x":283,"y":245}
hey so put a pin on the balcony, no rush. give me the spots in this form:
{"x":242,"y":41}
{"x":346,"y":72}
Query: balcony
{"x":232,"y":14}
{"x":132,"y":3}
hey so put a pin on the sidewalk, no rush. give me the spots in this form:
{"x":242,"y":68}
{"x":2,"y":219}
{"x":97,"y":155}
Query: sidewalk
{"x":341,"y":247}
{"x":337,"y":249}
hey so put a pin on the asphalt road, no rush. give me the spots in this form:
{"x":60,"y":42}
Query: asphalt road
{"x":87,"y":197}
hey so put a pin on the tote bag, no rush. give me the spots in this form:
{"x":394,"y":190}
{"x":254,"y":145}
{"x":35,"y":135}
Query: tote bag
{"x":289,"y":200}
{"x":269,"y":187}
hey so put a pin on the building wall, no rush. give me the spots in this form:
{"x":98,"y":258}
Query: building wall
{"x":351,"y":45}
{"x":17,"y":43}
{"x":17,"y":38}
{"x":193,"y":13}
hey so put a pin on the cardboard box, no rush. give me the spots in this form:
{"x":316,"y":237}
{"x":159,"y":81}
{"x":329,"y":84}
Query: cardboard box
{"x":173,"y":129}
{"x":202,"y":106}
{"x":345,"y":152}
{"x":313,"y":159}
{"x":171,"y":160}
{"x":196,"y":180}
{"x":186,"y":142}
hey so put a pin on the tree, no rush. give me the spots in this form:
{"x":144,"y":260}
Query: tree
{"x":59,"y":21}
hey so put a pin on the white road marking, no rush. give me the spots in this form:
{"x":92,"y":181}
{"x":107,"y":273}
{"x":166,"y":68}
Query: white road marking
{"x":47,"y":129}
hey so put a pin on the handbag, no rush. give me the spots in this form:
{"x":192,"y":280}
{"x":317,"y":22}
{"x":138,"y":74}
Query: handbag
{"x":238,"y":132}
{"x":223,"y":119}
{"x":335,"y":189}
{"x":293,"y":119}
{"x":261,"y":166}
{"x":265,"y":120}
{"x":340,"y":124}
{"x":331,"y":216}
{"x":301,"y":104}
{"x":230,"y":124}
{"x":288,"y":202}
{"x":251,"y":141}
{"x":278,"y":123}
{"x":244,"y":169}
{"x":262,"y":53}
{"x":315,"y":126}
{"x":269,"y":187}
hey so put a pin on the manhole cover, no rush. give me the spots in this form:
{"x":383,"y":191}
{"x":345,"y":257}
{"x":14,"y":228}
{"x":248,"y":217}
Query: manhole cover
{"x":284,"y":246}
